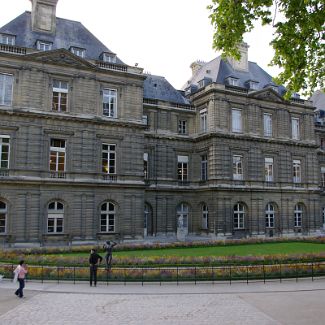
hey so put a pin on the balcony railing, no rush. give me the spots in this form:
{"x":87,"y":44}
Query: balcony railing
{"x":111,"y":66}
{"x":4,"y":172}
{"x":58,"y":175}
{"x":110,"y":178}
{"x":12,"y":49}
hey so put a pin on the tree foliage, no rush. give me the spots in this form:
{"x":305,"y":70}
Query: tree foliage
{"x":298,"y":42}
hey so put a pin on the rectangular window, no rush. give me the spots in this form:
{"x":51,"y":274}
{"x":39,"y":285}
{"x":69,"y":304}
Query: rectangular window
{"x":145,"y":166}
{"x":182,"y":168}
{"x":237,"y":166}
{"x":296,"y":171}
{"x":236,"y":120}
{"x":108,"y":57}
{"x":2,"y":223}
{"x":60,"y":96}
{"x":267,"y":125}
{"x":295,"y":128}
{"x":4,"y":151}
{"x":203,"y":120}
{"x":322,"y":143}
{"x":57,"y":155}
{"x":110,"y":102}
{"x":44,"y":46}
{"x":233,"y":81}
{"x":204,"y":168}
{"x":6,"y":86}
{"x":109,"y":158}
{"x":7,"y":39}
{"x":322,"y":171}
{"x":268,"y":169}
{"x":78,"y":51}
{"x":182,"y":127}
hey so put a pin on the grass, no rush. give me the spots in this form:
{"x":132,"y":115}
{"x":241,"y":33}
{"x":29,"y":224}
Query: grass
{"x":238,"y":250}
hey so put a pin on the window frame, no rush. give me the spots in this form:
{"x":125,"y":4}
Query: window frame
{"x":239,"y":216}
{"x":267,"y":125}
{"x":7,"y":89}
{"x":204,"y":167}
{"x":182,"y":168}
{"x":296,"y":170}
{"x":298,"y":215}
{"x":109,"y":215}
{"x":78,"y":51}
{"x":112,"y":106}
{"x":2,"y":145}
{"x":55,"y":215}
{"x":295,"y":128}
{"x":205,"y":216}
{"x":182,"y":126}
{"x":203,"y":120}
{"x":57,"y":151}
{"x":4,"y":218}
{"x":268,"y":173}
{"x":238,"y":167}
{"x":62,"y":95}
{"x":146,"y":165}
{"x":4,"y":39}
{"x":109,"y":159}
{"x":236,"y":120}
{"x":44,"y":45}
{"x":269,"y":216}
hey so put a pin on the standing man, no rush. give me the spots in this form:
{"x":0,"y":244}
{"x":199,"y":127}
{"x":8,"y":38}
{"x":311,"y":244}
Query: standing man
{"x":20,"y":273}
{"x":94,"y":261}
{"x":108,"y":246}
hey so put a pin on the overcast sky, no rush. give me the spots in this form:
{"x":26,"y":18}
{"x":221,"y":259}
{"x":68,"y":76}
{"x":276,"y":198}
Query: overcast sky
{"x":163,"y":37}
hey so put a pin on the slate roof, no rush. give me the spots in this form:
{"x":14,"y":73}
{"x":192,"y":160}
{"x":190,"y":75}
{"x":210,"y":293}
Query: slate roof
{"x":157,"y":87}
{"x":68,"y":33}
{"x":219,"y":69}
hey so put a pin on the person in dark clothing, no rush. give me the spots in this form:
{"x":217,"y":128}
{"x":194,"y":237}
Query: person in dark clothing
{"x":108,"y":246}
{"x":94,"y":261}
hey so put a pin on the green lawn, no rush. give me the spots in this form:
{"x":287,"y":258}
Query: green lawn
{"x":241,"y":250}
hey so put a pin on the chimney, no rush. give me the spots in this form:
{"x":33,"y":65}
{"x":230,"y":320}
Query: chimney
{"x":242,"y":64}
{"x":44,"y":15}
{"x":196,"y":66}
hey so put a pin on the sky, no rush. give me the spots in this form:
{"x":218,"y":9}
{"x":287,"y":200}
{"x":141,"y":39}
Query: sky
{"x":162,"y":37}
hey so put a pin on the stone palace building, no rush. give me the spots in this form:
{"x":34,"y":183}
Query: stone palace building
{"x":94,"y":149}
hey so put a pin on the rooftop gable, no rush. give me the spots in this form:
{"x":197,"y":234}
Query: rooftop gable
{"x":68,"y":34}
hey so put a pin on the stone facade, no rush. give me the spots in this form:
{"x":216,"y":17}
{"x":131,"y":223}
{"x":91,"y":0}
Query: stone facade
{"x":93,"y":149}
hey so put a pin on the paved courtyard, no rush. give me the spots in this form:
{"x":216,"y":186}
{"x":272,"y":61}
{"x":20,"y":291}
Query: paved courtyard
{"x":257,"y":303}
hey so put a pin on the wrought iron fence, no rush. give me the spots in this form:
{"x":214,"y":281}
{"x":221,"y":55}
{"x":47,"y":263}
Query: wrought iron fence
{"x":243,"y":273}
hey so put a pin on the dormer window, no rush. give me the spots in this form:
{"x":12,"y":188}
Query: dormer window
{"x":231,"y":81}
{"x":275,"y":88}
{"x":44,"y":46}
{"x":78,"y":51}
{"x":201,"y":83}
{"x":253,"y":85}
{"x":109,"y":57}
{"x":7,"y":39}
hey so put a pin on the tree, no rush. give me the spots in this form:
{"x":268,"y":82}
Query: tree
{"x":299,"y":38}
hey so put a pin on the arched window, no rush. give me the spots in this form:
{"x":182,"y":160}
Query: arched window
{"x":269,"y":216}
{"x":3,"y":217}
{"x":205,"y":216}
{"x":55,"y":217}
{"x":298,"y":214}
{"x":239,"y":216}
{"x":107,"y":217}
{"x":182,"y":215}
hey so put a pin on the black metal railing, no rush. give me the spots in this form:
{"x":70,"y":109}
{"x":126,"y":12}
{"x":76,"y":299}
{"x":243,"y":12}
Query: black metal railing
{"x":227,"y":274}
